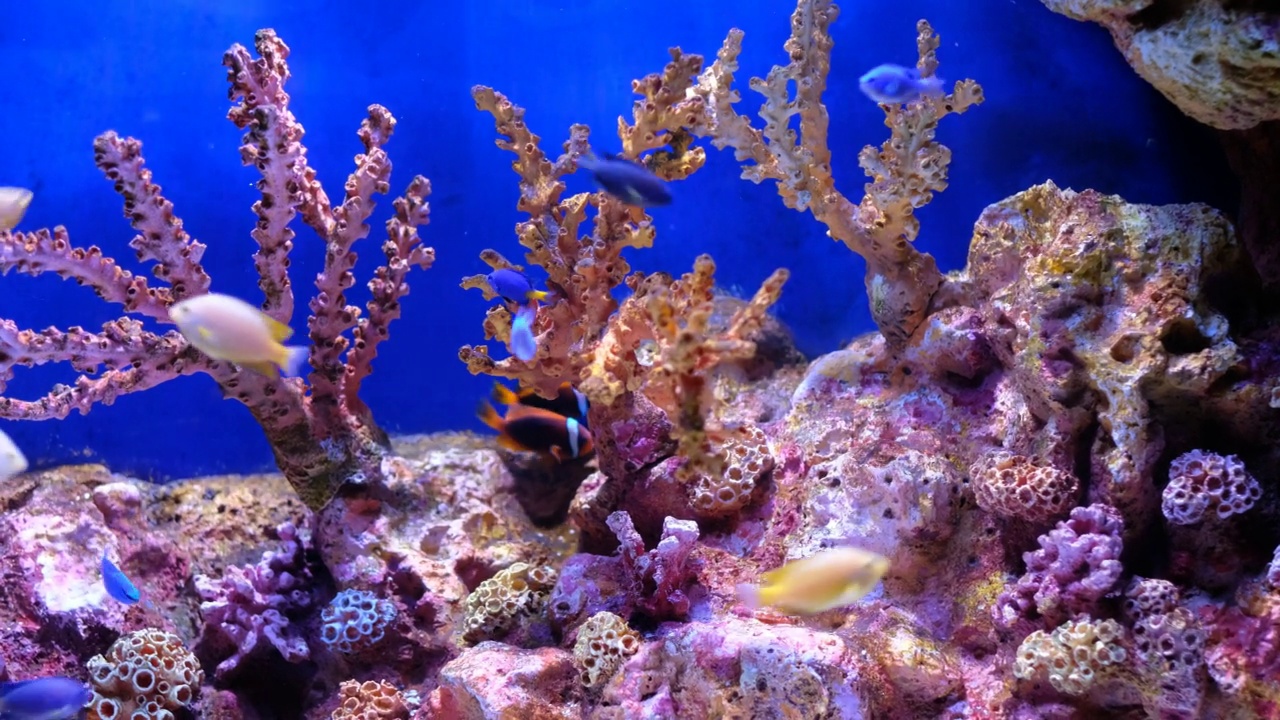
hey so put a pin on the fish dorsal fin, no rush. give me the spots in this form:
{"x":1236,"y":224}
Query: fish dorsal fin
{"x":279,"y":331}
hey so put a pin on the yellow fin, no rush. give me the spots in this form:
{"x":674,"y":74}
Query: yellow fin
{"x":503,"y":395}
{"x":279,"y":331}
{"x":204,"y":333}
{"x":265,"y":367}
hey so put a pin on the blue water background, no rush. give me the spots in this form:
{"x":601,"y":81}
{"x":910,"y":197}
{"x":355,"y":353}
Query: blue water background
{"x":1061,"y":105}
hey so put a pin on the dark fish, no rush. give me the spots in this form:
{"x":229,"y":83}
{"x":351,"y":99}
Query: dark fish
{"x":514,"y":286}
{"x":531,"y":429}
{"x":629,"y":182}
{"x":48,"y":698}
{"x":568,"y":401}
{"x":118,"y":585}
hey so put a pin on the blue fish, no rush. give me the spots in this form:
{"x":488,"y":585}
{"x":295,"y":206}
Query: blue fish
{"x":49,"y":698}
{"x":523,"y":344}
{"x":629,"y":182}
{"x":118,"y":586}
{"x":514,"y":286}
{"x":895,"y":85}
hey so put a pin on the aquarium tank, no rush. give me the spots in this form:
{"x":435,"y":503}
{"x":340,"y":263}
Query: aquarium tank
{"x":537,"y":359}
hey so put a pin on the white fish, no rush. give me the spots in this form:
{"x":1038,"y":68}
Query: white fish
{"x":13,"y":205}
{"x":12,"y":461}
{"x":228,"y":328}
{"x":523,"y":344}
{"x":831,"y":578}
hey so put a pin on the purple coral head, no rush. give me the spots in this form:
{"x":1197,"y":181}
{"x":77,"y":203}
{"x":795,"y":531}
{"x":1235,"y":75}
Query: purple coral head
{"x":1077,"y":564}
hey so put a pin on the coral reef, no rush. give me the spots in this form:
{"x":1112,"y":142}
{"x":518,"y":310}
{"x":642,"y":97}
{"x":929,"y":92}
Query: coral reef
{"x":1068,"y":452}
{"x":321,"y":433}
{"x":145,"y":674}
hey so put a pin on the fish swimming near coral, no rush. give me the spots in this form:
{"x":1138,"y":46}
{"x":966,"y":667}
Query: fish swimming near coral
{"x":815,"y":584}
{"x":12,"y":461}
{"x":523,"y":344}
{"x":569,"y":401}
{"x":514,"y":286}
{"x":47,"y":698}
{"x":228,"y":328}
{"x":630,"y":182}
{"x":895,"y":85}
{"x":118,"y":585}
{"x":13,"y":205}
{"x":533,"y":429}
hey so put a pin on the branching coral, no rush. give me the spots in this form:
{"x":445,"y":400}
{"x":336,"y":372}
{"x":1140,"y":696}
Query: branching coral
{"x":905,"y":171}
{"x":320,"y":437}
{"x":255,"y":606}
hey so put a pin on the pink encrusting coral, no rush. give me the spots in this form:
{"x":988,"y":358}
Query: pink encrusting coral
{"x":321,"y":433}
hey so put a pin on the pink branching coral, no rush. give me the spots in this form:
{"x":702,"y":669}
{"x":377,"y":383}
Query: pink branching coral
{"x":905,"y":171}
{"x":659,"y":574}
{"x":320,"y":436}
{"x":1077,"y":564}
{"x":255,"y":607}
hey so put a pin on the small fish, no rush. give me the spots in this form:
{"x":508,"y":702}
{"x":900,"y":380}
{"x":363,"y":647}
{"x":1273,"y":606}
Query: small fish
{"x":117,"y":584}
{"x":523,"y":344}
{"x":13,"y":205}
{"x":227,"y":328}
{"x":47,"y":698}
{"x":569,"y":401}
{"x":12,"y":461}
{"x":514,"y":286}
{"x":895,"y":85}
{"x":831,"y":578}
{"x":531,"y":429}
{"x":629,"y":182}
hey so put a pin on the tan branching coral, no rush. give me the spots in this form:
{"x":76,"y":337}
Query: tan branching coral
{"x":905,"y":171}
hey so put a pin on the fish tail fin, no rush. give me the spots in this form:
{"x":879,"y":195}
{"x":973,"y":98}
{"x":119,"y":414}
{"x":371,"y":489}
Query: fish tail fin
{"x":295,"y":357}
{"x":504,"y":395}
{"x":749,"y":595}
{"x":489,"y":416}
{"x":932,"y":85}
{"x":538,"y":295}
{"x":523,"y":345}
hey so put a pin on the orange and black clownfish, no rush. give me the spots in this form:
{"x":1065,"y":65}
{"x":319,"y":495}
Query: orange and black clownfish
{"x":533,"y":429}
{"x":568,"y":401}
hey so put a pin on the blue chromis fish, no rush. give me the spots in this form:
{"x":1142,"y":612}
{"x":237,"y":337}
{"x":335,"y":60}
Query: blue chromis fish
{"x":829,"y":579}
{"x":895,"y":85}
{"x":534,"y":429}
{"x":13,"y":205}
{"x":629,"y":182}
{"x":569,"y":401}
{"x":514,"y":286}
{"x":228,"y":328}
{"x":117,"y":584}
{"x":12,"y":461}
{"x":523,"y":344}
{"x":47,"y":698}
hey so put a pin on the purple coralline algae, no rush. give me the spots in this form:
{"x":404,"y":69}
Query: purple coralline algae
{"x":253,"y":608}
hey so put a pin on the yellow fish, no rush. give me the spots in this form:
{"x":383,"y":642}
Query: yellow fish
{"x":12,"y":461}
{"x":13,"y":205}
{"x":831,"y":578}
{"x":228,"y":328}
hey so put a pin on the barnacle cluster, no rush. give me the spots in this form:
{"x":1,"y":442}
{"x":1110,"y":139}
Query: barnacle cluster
{"x":1207,"y":484}
{"x":604,"y":643}
{"x":746,"y":462}
{"x":502,"y":601}
{"x":354,"y":620}
{"x":1074,"y":656}
{"x":369,"y":700}
{"x":1015,"y":486}
{"x":145,"y":675}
